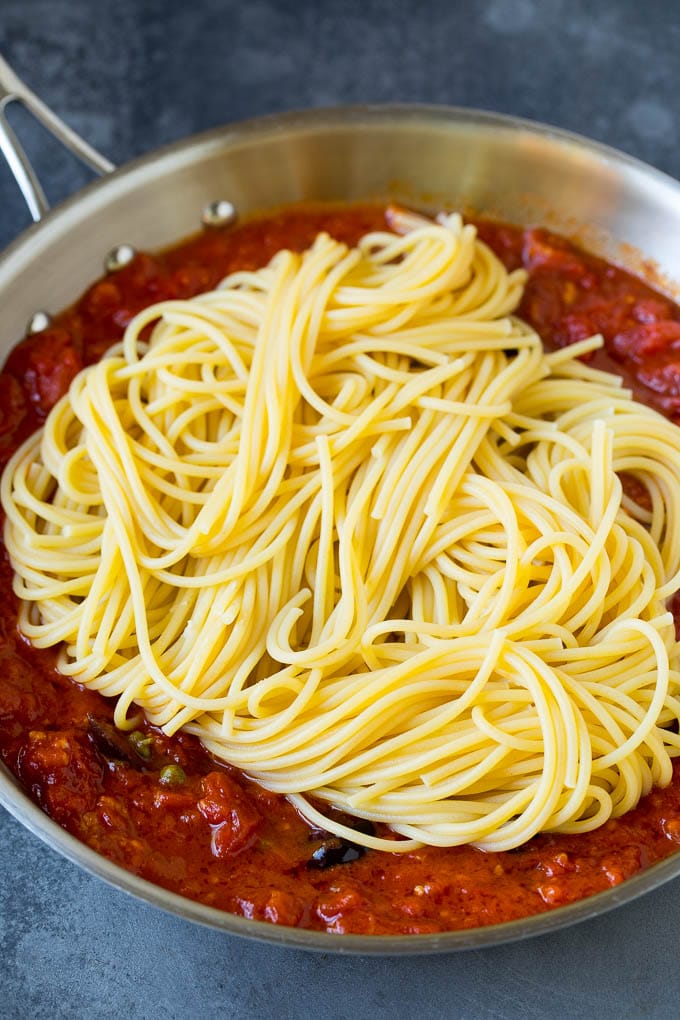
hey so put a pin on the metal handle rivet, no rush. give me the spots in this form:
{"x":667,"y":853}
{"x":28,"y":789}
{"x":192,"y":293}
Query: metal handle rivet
{"x":218,"y":214}
{"x":120,"y":256}
{"x":38,"y":322}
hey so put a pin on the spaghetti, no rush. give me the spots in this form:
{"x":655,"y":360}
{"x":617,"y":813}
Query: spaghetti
{"x":345,"y":520}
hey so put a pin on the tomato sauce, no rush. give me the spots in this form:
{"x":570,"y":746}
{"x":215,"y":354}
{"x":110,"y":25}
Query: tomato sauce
{"x":162,"y":807}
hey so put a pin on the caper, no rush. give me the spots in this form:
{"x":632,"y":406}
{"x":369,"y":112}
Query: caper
{"x":172,"y":775}
{"x":141,"y":743}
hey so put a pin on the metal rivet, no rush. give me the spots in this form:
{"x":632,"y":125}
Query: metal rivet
{"x":218,"y":214}
{"x":38,"y":322}
{"x":120,"y":256}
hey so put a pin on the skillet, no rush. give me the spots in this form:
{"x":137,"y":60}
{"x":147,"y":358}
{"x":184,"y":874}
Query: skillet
{"x":426,"y":156}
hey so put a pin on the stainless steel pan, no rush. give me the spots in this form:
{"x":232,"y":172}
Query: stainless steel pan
{"x":516,"y":170}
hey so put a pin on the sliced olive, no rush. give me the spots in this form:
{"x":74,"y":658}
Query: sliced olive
{"x":335,"y":851}
{"x":110,"y":742}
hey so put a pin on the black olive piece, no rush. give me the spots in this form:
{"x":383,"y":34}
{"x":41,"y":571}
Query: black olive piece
{"x":110,"y":742}
{"x":335,"y":851}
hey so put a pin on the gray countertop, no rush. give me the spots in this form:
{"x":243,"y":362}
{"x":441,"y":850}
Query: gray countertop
{"x":132,"y":75}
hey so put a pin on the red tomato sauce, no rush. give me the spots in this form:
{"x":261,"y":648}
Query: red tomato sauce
{"x":162,"y":807}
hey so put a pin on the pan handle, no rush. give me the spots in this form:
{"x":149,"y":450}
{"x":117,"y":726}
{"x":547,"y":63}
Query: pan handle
{"x":13,"y":89}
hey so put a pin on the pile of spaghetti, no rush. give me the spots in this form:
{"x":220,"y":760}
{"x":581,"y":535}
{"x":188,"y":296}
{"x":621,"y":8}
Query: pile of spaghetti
{"x":344,"y":519}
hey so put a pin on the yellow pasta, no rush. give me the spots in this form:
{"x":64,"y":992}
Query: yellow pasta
{"x":346,"y":521}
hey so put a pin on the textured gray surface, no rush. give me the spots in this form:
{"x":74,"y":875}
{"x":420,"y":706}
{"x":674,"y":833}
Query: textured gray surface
{"x":131,"y":76}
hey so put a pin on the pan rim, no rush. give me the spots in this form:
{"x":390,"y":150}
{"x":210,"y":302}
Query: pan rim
{"x":326,"y":119}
